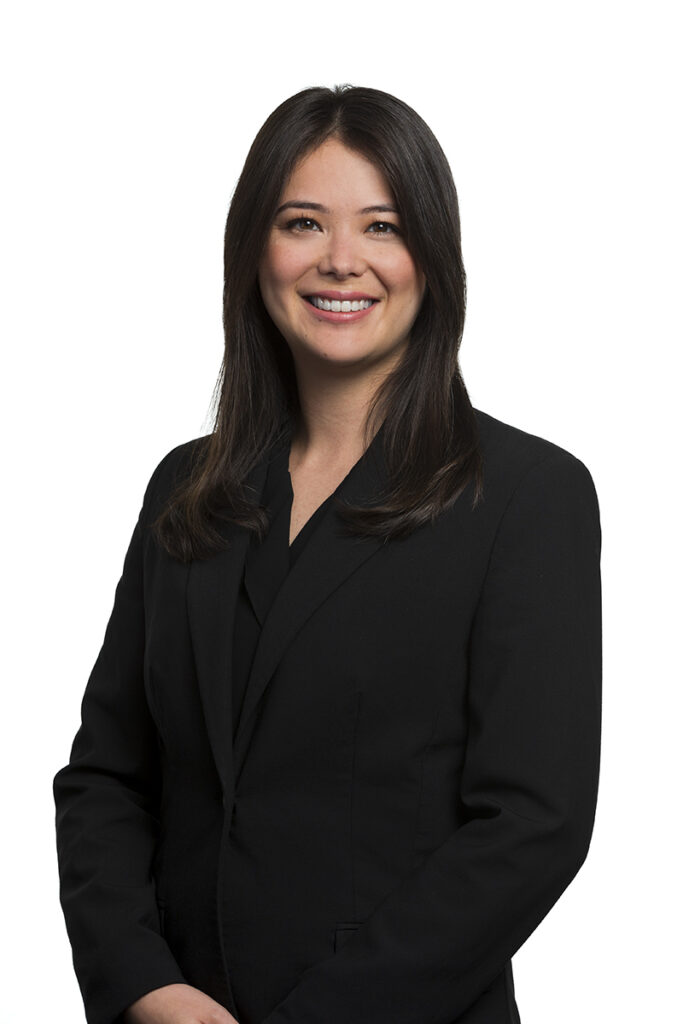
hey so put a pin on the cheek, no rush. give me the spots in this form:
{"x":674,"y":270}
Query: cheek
{"x":271,"y":277}
{"x":407,"y":280}
{"x":280,"y":268}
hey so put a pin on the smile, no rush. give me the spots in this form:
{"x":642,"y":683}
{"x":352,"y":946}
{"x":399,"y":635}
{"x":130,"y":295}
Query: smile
{"x":339,"y":306}
{"x":340,"y":309}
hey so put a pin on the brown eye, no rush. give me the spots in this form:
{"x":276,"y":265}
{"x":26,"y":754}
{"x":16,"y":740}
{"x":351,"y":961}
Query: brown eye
{"x":383,"y":227}
{"x":303,"y":224}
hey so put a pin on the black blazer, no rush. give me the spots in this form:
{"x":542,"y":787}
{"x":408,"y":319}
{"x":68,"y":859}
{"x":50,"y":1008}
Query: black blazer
{"x":413,"y":779}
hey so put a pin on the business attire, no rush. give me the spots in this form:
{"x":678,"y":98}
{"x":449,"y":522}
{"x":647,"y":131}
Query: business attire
{"x":265,"y":567}
{"x":342,"y":782}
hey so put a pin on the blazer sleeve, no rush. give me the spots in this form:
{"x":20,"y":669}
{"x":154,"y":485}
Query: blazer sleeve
{"x":529,"y":782}
{"x":106,"y":801}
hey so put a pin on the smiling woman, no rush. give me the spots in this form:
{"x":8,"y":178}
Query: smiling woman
{"x":339,"y":752}
{"x":367,"y":323}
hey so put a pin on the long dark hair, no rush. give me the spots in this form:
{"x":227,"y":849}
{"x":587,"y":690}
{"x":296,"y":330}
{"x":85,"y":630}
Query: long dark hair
{"x":429,"y":431}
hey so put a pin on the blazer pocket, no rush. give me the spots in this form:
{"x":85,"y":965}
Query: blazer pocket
{"x":343,"y":931}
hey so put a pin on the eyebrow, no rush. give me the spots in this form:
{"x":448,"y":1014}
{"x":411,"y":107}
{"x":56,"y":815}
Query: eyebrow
{"x":305,"y":205}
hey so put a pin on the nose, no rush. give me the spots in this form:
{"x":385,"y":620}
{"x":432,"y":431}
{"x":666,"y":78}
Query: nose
{"x":341,"y":256}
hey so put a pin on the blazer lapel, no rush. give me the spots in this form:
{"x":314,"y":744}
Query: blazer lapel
{"x":328,"y":558}
{"x":212,"y":589}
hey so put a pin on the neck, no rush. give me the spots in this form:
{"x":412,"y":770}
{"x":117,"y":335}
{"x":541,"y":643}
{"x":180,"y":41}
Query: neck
{"x":331,"y":427}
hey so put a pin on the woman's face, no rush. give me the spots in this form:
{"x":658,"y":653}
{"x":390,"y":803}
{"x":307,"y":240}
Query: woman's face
{"x":336,"y":276}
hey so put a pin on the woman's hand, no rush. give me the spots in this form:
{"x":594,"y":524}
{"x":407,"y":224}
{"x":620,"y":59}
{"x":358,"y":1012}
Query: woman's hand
{"x":177,"y":1004}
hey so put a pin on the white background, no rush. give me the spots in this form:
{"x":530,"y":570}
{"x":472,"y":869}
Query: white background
{"x":124,"y":128}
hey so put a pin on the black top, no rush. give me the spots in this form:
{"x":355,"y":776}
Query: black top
{"x":419,"y":796}
{"x":266,"y":566}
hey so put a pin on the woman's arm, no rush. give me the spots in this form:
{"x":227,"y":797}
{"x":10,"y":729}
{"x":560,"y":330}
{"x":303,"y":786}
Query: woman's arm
{"x":177,"y":1004}
{"x":107,"y":800}
{"x":529,"y":784}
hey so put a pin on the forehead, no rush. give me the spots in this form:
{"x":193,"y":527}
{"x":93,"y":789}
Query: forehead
{"x":334,"y":175}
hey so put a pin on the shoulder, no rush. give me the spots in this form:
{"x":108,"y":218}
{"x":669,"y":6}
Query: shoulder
{"x":175,"y":466}
{"x":509,"y":453}
{"x":523,"y":470}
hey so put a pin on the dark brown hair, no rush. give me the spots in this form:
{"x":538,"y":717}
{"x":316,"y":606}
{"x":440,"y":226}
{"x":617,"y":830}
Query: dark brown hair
{"x":429,"y":427}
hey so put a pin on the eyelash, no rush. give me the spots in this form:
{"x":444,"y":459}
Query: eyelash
{"x":297,"y":223}
{"x":393,"y":230}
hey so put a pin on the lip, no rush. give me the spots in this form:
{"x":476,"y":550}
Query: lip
{"x":342,"y":296}
{"x":339,"y":318}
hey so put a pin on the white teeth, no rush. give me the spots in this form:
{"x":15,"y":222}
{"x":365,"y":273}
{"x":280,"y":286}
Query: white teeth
{"x":337,"y":306}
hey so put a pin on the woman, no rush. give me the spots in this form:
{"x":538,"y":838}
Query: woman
{"x":339,"y":752}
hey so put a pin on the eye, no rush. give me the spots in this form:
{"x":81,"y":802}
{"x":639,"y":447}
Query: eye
{"x":384,"y":227}
{"x":303,"y":224}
